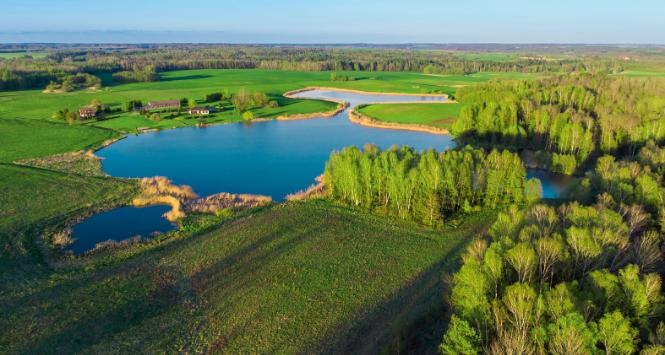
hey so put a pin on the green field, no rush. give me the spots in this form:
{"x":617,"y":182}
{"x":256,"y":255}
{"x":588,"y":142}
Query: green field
{"x":196,"y":83}
{"x":301,"y":277}
{"x":12,"y":55}
{"x":33,"y":199}
{"x":643,"y":73}
{"x":23,"y":139}
{"x":436,"y":115}
{"x":16,"y":107}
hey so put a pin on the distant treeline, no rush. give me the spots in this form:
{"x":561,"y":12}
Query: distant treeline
{"x":137,"y":75}
{"x":428,"y":186}
{"x":142,"y":64}
{"x":570,"y":117}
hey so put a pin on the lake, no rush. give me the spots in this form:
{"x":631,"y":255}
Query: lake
{"x":272,"y":158}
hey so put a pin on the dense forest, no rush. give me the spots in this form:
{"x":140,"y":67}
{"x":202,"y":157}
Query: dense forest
{"x":141,"y":64}
{"x":428,"y":186}
{"x":570,"y":118}
{"x":567,"y":280}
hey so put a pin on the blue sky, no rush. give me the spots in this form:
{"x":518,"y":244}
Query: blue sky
{"x":336,"y":21}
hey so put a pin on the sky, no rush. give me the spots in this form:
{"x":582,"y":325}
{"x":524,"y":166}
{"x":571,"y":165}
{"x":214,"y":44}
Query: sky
{"x":334,"y":21}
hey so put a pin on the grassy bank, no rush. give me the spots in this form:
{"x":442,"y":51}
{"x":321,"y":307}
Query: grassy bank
{"x":302,"y":277}
{"x":32,"y":199}
{"x":22,"y":139}
{"x":435,"y":115}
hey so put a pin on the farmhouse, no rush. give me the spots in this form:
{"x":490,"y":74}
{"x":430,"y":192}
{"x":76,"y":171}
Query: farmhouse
{"x":88,"y":112}
{"x":199,"y":111}
{"x":162,"y":105}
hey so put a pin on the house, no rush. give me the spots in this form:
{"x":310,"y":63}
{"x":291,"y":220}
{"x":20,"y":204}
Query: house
{"x":88,"y":112}
{"x":199,"y":111}
{"x":162,"y":105}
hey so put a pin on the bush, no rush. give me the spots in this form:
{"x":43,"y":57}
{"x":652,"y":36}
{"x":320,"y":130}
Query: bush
{"x":245,"y":100}
{"x":217,"y":96}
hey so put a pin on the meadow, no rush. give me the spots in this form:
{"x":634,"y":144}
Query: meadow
{"x":300,"y":277}
{"x":13,"y":55}
{"x":436,"y":115}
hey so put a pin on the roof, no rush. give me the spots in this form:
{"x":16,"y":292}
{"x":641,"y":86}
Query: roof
{"x":200,"y":108}
{"x":88,"y":109}
{"x":164,"y":103}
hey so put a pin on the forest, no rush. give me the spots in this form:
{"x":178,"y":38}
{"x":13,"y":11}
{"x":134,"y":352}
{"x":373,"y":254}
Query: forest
{"x":141,"y":64}
{"x":566,"y":280}
{"x":571,"y":119}
{"x":428,"y":186}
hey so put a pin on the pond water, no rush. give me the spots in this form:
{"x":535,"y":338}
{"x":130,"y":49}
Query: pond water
{"x":119,"y":224}
{"x":273,"y":158}
{"x":554,"y":185}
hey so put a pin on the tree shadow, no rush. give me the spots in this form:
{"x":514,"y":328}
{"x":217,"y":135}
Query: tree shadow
{"x":412,"y":320}
{"x":186,"y":77}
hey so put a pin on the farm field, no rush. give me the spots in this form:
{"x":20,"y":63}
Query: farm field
{"x":643,"y":73}
{"x":12,"y":55}
{"x":22,"y":139}
{"x":300,"y":277}
{"x":436,"y":115}
{"x":196,"y":83}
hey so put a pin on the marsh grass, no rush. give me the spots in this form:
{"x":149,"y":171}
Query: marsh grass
{"x":62,"y":239}
{"x":161,"y":191}
{"x":82,"y":162}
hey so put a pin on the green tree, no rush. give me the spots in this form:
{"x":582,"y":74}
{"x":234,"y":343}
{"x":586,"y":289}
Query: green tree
{"x":570,"y":334}
{"x":616,"y":334}
{"x":461,"y":338}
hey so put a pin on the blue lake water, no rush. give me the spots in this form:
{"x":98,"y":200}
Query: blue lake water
{"x":273,"y":158}
{"x":120,"y":224}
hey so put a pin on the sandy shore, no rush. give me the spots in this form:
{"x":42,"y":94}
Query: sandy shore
{"x":359,"y":118}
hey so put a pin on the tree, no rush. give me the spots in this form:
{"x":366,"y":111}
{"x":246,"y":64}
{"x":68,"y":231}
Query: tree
{"x":248,"y":116}
{"x":533,"y":191}
{"x":460,"y":338}
{"x":616,"y":334}
{"x":570,"y":334}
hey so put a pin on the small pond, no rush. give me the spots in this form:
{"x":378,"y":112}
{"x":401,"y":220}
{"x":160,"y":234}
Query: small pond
{"x":554,"y":185}
{"x":120,"y":224}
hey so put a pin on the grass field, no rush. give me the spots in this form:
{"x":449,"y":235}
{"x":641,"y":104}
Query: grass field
{"x":196,"y":83}
{"x":11,"y":55}
{"x":23,"y":139}
{"x":303,"y":277}
{"x":436,"y":115}
{"x":32,"y":199}
{"x":643,"y":73}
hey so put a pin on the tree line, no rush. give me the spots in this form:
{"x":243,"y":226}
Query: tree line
{"x":427,"y":186}
{"x":571,"y":118}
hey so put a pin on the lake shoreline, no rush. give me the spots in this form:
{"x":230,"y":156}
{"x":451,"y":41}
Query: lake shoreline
{"x":364,"y":120}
